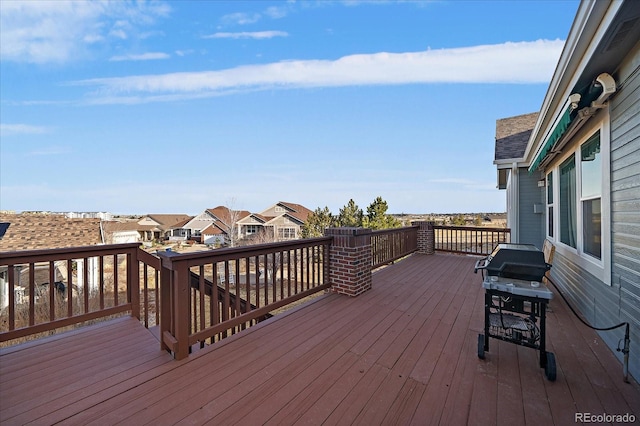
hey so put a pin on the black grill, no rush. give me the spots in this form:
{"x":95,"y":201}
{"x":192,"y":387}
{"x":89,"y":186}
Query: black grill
{"x":518,"y":261}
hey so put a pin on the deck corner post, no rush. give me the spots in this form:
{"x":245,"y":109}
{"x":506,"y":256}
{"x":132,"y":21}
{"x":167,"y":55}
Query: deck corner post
{"x":350,"y":260}
{"x":426,"y":237}
{"x":175,"y":309}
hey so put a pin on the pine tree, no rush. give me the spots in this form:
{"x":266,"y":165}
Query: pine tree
{"x":377,"y":217}
{"x":317,"y":222}
{"x":350,"y":215}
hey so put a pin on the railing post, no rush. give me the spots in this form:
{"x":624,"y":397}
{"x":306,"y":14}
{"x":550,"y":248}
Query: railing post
{"x":133,"y":282}
{"x":164,"y":307}
{"x":426,"y":237}
{"x":174,"y":297}
{"x":350,"y":260}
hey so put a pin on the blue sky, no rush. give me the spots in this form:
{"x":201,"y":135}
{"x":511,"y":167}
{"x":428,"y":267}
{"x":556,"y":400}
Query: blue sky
{"x":174,"y":107}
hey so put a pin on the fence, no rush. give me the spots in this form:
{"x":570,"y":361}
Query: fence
{"x":196,"y":298}
{"x":208,"y":295}
{"x":469,"y":240}
{"x":44,"y":290}
{"x":389,"y":245}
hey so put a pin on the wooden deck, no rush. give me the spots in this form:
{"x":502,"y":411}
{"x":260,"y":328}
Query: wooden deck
{"x":403,"y":353}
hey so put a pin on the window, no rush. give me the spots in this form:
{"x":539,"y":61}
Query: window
{"x":567,"y":212}
{"x":591,"y":190}
{"x":252,"y":229}
{"x":286,"y":233}
{"x":578,"y":203}
{"x":550,"y":204}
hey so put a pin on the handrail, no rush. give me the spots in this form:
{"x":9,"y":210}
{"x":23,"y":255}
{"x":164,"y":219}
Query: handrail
{"x":476,"y":240}
{"x":389,"y":245}
{"x":44,"y":290}
{"x":252,"y":282}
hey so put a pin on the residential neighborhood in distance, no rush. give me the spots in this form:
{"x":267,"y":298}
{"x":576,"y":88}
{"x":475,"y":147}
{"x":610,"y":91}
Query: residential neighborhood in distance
{"x":220,"y":226}
{"x":213,"y":227}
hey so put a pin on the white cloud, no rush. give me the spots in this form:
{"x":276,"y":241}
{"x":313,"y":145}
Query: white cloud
{"x":275,"y":12}
{"x":22,"y":129}
{"x":118,"y":33}
{"x":57,"y":31}
{"x":507,"y":63}
{"x":247,"y":34}
{"x":142,"y":57}
{"x":184,"y":52}
{"x":240,"y":18}
{"x":52,"y":150}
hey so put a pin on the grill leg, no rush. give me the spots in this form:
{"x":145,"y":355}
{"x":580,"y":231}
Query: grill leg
{"x":487,"y":305}
{"x":542,"y":307}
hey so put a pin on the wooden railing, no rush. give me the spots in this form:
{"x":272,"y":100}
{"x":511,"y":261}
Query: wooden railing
{"x":469,"y":240}
{"x":252,"y":281}
{"x":389,"y":245}
{"x":195,"y":298}
{"x":45,"y":290}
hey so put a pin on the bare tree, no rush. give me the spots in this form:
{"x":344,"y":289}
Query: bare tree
{"x":233,"y":216}
{"x":269,"y":264}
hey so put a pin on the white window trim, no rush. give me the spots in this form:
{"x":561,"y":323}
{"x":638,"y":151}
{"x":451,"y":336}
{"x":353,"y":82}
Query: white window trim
{"x":547,"y":205}
{"x":600,"y":268}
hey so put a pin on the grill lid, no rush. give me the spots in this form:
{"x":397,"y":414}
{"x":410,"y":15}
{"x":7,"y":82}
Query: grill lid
{"x":519,"y":261}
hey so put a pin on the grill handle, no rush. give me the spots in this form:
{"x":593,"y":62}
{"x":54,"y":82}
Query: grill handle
{"x":481,"y":264}
{"x":507,"y":264}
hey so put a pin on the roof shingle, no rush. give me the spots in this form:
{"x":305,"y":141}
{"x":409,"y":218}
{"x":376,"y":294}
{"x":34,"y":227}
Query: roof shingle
{"x":512,"y":135}
{"x":47,"y":231}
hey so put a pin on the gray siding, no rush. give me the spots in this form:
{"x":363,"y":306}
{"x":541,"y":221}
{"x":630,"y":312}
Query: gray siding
{"x":600,"y":304}
{"x":530,"y":224}
{"x":625,"y":207}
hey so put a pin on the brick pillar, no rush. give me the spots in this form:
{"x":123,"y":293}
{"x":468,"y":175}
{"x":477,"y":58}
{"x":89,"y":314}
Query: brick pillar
{"x":426,"y":237}
{"x":350,"y":260}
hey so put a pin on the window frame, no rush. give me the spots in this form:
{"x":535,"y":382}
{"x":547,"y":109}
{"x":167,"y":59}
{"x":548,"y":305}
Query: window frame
{"x":600,"y":268}
{"x":287,"y":233}
{"x":550,"y":219}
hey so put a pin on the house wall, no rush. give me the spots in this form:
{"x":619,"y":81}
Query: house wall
{"x":285,"y":222}
{"x":276,"y":210}
{"x":213,"y":239}
{"x":198,"y":223}
{"x":123,"y":237}
{"x":600,"y":304}
{"x":148,"y":221}
{"x":531,"y":225}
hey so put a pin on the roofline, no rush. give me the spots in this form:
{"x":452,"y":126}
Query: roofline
{"x":588,"y":29}
{"x":508,"y":162}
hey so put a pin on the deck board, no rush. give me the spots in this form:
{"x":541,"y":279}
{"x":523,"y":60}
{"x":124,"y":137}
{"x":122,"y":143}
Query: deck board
{"x":404,"y":352}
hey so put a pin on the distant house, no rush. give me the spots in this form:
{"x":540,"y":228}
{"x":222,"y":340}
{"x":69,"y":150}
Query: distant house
{"x":282,"y":220}
{"x":116,"y":232}
{"x":44,"y":231}
{"x":213,"y":225}
{"x":89,"y":215}
{"x":215,"y":234}
{"x":252,"y":225}
{"x":157,"y":227}
{"x":582,"y":177}
{"x":177,"y":232}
